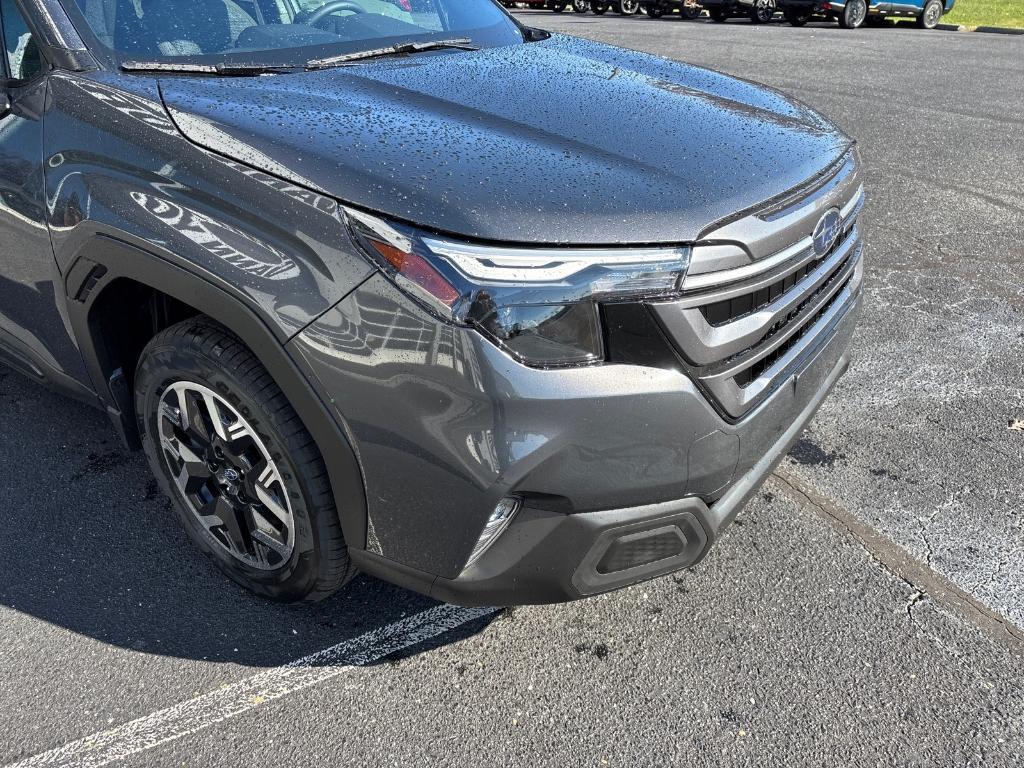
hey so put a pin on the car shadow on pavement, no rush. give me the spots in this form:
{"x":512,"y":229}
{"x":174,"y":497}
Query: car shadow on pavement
{"x":92,"y":546}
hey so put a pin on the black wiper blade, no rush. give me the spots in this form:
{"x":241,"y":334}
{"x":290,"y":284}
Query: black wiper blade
{"x":461,"y":43}
{"x":190,"y":68}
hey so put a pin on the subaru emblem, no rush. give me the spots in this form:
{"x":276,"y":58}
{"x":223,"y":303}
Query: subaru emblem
{"x":827,"y":230}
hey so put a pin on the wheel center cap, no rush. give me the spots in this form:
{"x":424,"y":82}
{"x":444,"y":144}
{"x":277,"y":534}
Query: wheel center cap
{"x":230,"y":475}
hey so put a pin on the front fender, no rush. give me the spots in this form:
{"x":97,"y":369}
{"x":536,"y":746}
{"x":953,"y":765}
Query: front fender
{"x":127,"y":197}
{"x":116,"y":165}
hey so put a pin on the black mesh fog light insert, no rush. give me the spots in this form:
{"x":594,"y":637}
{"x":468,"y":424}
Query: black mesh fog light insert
{"x":641,"y":548}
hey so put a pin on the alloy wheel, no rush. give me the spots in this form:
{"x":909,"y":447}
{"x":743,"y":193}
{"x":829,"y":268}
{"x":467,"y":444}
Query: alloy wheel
{"x":764,"y":10}
{"x":854,"y":13}
{"x":226,"y":475}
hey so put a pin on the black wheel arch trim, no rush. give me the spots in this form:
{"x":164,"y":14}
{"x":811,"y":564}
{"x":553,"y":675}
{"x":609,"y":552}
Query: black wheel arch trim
{"x":116,"y":259}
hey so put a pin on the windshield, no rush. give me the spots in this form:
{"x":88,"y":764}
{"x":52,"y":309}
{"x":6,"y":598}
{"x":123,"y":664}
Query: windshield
{"x":283,"y":32}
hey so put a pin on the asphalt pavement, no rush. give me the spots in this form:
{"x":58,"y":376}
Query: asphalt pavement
{"x":865,"y":610}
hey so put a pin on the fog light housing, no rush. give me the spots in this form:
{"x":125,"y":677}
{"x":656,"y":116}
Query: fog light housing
{"x":502,"y":515}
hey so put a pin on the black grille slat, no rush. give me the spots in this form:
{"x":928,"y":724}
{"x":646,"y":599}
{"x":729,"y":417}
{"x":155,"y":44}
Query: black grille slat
{"x":745,"y":377}
{"x":726,"y":311}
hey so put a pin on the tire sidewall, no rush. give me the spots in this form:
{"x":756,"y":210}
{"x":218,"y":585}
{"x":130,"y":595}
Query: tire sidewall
{"x":165,"y":364}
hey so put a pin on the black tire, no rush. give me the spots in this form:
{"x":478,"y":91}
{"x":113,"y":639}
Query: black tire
{"x":598,"y":8}
{"x":796,"y":18}
{"x":581,"y":6}
{"x":201,"y":352}
{"x":929,"y":18}
{"x":654,"y":11}
{"x":558,"y":7}
{"x":853,"y":14}
{"x":689,"y":10}
{"x":762,"y":11}
{"x":719,"y":15}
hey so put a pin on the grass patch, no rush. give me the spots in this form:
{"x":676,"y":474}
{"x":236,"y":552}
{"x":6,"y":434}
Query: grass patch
{"x":986,"y":13}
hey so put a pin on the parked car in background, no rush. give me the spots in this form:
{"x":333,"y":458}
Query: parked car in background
{"x":758,"y":11}
{"x":688,"y":9}
{"x":625,"y":7}
{"x":853,"y":13}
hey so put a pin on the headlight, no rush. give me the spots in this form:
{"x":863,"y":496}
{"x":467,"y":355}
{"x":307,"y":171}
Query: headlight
{"x":539,"y":304}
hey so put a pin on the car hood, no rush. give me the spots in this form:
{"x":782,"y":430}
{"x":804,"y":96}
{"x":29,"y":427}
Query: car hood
{"x":561,"y":141}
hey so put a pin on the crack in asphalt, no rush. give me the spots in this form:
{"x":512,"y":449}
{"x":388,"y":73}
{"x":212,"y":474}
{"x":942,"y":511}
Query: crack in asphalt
{"x":929,"y":550}
{"x":916,"y":597}
{"x":925,"y":582}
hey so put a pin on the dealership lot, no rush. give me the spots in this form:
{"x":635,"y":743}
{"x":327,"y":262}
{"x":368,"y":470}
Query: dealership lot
{"x":796,"y":641}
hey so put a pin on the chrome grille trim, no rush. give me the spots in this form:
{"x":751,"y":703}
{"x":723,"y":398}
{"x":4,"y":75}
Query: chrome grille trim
{"x":853,"y":208}
{"x":711,"y":279}
{"x":770,"y":342}
{"x":786,"y":301}
{"x":724,"y":385}
{"x":705,"y":343}
{"x":801,"y":250}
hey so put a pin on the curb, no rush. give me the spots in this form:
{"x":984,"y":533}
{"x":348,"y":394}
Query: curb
{"x":993,"y":30}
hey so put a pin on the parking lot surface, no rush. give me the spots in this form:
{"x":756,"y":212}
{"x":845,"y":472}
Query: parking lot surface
{"x":865,"y":610}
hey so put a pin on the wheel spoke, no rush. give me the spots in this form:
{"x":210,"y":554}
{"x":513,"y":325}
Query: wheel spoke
{"x":193,"y":423}
{"x":214,"y":413}
{"x":171,"y":413}
{"x":271,"y":541}
{"x":262,"y":487}
{"x":194,"y":474}
{"x":223,"y":513}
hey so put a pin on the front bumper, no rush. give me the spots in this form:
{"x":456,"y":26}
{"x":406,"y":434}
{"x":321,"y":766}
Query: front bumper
{"x":548,"y":557}
{"x":446,"y":425}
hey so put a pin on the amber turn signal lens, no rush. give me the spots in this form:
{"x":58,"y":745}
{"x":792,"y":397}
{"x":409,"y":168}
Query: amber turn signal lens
{"x":418,"y":270}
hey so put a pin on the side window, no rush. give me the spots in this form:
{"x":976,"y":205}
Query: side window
{"x":23,"y":59}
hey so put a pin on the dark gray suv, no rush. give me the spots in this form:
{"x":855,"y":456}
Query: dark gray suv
{"x":378,"y":286}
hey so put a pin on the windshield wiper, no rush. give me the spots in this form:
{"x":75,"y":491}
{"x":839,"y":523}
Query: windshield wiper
{"x":461,"y":43}
{"x":188,"y":68}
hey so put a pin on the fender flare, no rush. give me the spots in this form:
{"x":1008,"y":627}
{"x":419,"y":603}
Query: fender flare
{"x":103,"y":259}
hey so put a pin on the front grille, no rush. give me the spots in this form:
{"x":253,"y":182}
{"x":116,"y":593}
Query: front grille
{"x":758,"y":369}
{"x":841,"y":274}
{"x":727,"y":310}
{"x":745,"y":329}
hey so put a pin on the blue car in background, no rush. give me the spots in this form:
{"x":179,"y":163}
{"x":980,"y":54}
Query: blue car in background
{"x":852,"y":13}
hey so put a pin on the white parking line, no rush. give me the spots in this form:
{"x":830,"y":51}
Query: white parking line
{"x":210,"y":708}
